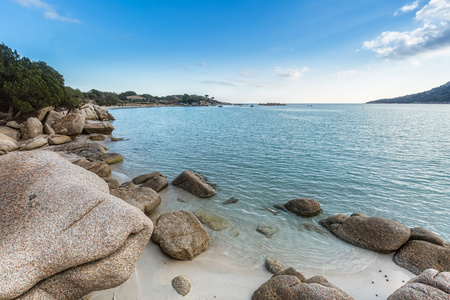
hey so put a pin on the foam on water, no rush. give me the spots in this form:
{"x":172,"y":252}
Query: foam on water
{"x":381,"y":160}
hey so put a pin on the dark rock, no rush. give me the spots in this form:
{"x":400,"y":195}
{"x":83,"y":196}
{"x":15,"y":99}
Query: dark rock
{"x":144,"y":177}
{"x":116,"y":139}
{"x":101,"y":128}
{"x":100,"y":168}
{"x":157,"y":183}
{"x":267,"y":230}
{"x":112,"y":183}
{"x":373,"y":233}
{"x":428,"y":285}
{"x":273,"y":211}
{"x":293,"y":272}
{"x":182,"y":285}
{"x":180,"y":235}
{"x":304,"y":207}
{"x":71,"y":124}
{"x":422,"y":234}
{"x":211,"y":220}
{"x":146,"y":199}
{"x":97,"y":137}
{"x":313,"y":227}
{"x":274,"y":266}
{"x":232,"y":200}
{"x":417,"y":256}
{"x":280,"y":207}
{"x":31,"y":128}
{"x":194,"y":184}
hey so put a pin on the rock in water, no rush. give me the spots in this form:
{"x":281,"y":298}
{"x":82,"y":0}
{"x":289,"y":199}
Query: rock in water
{"x":428,"y":285}
{"x":62,"y":234}
{"x":304,"y":207}
{"x":180,"y":235}
{"x":417,"y":256}
{"x":373,"y":233}
{"x":273,"y":265}
{"x":145,"y":177}
{"x":267,"y":230}
{"x":182,"y":285}
{"x":211,"y":220}
{"x":194,"y":184}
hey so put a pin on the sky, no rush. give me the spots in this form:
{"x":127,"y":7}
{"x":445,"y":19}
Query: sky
{"x":240,"y":51}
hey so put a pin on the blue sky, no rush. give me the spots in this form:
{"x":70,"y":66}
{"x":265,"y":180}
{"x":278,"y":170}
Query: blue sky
{"x":298,"y":51}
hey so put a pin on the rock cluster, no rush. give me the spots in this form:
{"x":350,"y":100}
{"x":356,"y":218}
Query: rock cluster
{"x":155,"y":181}
{"x":63,"y":240}
{"x":431,"y":284}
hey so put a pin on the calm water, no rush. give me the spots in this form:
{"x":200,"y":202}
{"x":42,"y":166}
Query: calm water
{"x":389,"y":161}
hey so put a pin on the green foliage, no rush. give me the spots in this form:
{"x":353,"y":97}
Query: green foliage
{"x":102,"y":98}
{"x":440,"y":94}
{"x":124,"y":95}
{"x":26,"y":85}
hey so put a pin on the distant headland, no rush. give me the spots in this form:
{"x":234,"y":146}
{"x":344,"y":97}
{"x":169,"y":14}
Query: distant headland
{"x":438,"y":95}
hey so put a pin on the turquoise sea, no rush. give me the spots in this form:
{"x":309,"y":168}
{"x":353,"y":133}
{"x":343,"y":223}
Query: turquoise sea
{"x":390,"y":161}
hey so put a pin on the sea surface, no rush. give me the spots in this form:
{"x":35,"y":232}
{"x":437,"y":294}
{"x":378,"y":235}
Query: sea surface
{"x":390,"y":161}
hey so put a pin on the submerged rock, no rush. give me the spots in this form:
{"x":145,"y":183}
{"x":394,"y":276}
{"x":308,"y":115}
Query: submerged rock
{"x":181,"y":235}
{"x":194,"y":184}
{"x":211,"y":220}
{"x":157,"y":183}
{"x":182,"y":285}
{"x":267,"y":230}
{"x":304,"y":207}
{"x":232,"y":200}
{"x":373,"y":233}
{"x":428,"y":285}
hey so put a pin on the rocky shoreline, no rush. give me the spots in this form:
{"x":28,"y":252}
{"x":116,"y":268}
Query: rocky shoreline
{"x":78,"y":136}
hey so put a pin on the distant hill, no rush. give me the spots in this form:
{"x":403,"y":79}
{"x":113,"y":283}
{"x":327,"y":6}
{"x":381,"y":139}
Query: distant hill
{"x":439,"y":95}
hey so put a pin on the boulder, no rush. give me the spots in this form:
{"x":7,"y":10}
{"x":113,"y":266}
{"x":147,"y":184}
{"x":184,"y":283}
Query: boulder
{"x":146,"y":199}
{"x":71,"y":124}
{"x":103,"y":114}
{"x":194,"y":184}
{"x":116,"y":139}
{"x":423,"y":234}
{"x":52,"y":117}
{"x":97,"y":167}
{"x":39,"y":113}
{"x":288,"y":287}
{"x":58,"y":139}
{"x":304,"y":207}
{"x":90,"y":150}
{"x":274,"y":266}
{"x":48,"y":129}
{"x":88,"y":112}
{"x":180,"y":235}
{"x":157,"y":183}
{"x":97,"y":137}
{"x":13,"y":124}
{"x":293,"y":272}
{"x":62,"y":234}
{"x":267,"y":230}
{"x":373,"y":233}
{"x":100,"y":128}
{"x":35,"y":143}
{"x":112,"y":183}
{"x":12,"y":133}
{"x":181,"y":285}
{"x":211,"y":220}
{"x":111,"y":158}
{"x":32,"y":128}
{"x":145,"y":177}
{"x":417,"y":256}
{"x":428,"y":285}
{"x":7,"y":144}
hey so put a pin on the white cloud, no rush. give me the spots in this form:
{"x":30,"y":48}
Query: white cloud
{"x":407,"y":8}
{"x":434,"y":34}
{"x":291,"y":73}
{"x":49,"y":11}
{"x":223,"y":83}
{"x":347,"y":73}
{"x":248,"y":72}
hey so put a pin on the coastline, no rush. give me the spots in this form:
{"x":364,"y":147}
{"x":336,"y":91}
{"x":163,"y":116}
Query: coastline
{"x":214,"y":275}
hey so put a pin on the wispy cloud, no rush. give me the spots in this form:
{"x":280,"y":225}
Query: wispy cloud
{"x":347,"y":73}
{"x":291,"y":73}
{"x":407,"y":8}
{"x":223,"y":83}
{"x":49,"y":12}
{"x":433,"y":35}
{"x":249,"y":73}
{"x":203,"y":64}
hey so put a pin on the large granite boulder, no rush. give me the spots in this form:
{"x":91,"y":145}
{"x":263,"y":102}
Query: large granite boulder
{"x":94,"y":112}
{"x":423,"y":234}
{"x":52,"y":117}
{"x":62,"y":234}
{"x":11,"y":132}
{"x":34,"y":143}
{"x":100,"y":128}
{"x":57,"y":139}
{"x":194,"y":184}
{"x":97,"y":167}
{"x":32,"y":128}
{"x":103,"y":114}
{"x":304,"y":207}
{"x":146,"y":199}
{"x":90,"y":150}
{"x":373,"y":233}
{"x":180,"y":235}
{"x":7,"y":144}
{"x":145,"y":177}
{"x":428,"y":285}
{"x":417,"y":256}
{"x":288,"y":287}
{"x":70,"y":124}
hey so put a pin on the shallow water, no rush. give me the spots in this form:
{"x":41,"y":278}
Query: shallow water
{"x":389,"y":161}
